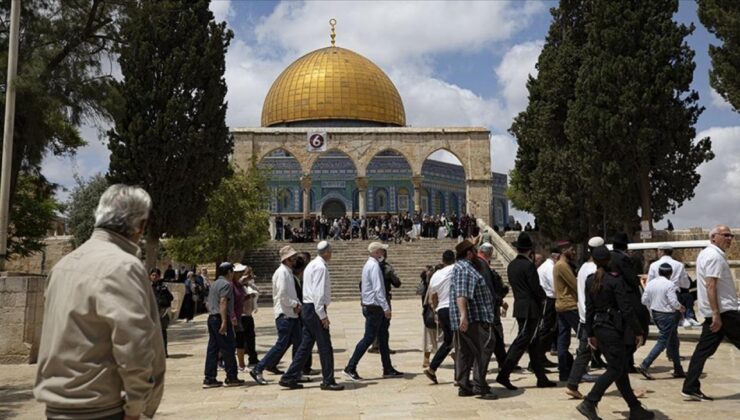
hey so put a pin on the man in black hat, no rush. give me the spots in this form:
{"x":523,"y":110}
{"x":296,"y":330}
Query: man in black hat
{"x":529,"y":300}
{"x":625,"y":266}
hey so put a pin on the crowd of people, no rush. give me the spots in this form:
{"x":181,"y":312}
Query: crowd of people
{"x":102,"y":351}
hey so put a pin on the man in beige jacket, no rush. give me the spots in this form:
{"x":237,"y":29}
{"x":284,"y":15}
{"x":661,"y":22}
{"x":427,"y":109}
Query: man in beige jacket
{"x":102,"y":354}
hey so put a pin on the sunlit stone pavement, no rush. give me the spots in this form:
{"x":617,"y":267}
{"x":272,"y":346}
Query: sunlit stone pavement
{"x":411,"y":397}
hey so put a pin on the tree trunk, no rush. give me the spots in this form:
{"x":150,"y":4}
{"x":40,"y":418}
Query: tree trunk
{"x":152,"y":251}
{"x":645,"y":202}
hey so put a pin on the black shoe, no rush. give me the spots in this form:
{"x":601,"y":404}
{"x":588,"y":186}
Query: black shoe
{"x":641,"y":413}
{"x":311,"y":372}
{"x":332,"y":387}
{"x":549,"y":364}
{"x":696,"y":396}
{"x":680,"y":374}
{"x":393,"y":373}
{"x":588,"y":409}
{"x":646,"y":373}
{"x":632,"y":369}
{"x":597,"y":364}
{"x":351,"y":374}
{"x":290,"y":384}
{"x":465,"y":392}
{"x":506,"y":383}
{"x":487,"y":395}
{"x":546,"y":383}
{"x":431,"y":375}
{"x":234,"y":382}
{"x":211,"y":383}
{"x":391,"y":351}
{"x":257,"y":376}
{"x":274,"y":370}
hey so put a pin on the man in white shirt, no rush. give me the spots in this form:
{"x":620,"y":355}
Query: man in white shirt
{"x":660,"y":297}
{"x":375,"y":308}
{"x":440,"y":291}
{"x":679,"y":278}
{"x":286,"y":307}
{"x":718,"y":304}
{"x":316,"y":298}
{"x":549,"y":324}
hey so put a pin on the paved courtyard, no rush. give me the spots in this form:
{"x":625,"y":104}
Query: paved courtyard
{"x":410,"y":397}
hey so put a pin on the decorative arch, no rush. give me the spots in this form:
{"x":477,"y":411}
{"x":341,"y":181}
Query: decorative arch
{"x":285,"y":200}
{"x":373,"y":151}
{"x":259,"y":159}
{"x":335,"y":196}
{"x":381,"y":200}
{"x":313,"y":158}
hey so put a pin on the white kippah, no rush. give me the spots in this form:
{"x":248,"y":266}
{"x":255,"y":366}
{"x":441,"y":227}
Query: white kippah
{"x":486,"y":245}
{"x":595,"y":241}
{"x":322,"y":245}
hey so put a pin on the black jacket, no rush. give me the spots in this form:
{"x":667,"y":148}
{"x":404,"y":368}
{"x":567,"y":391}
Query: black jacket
{"x":623,"y":265}
{"x":611,"y":307}
{"x":525,"y":283}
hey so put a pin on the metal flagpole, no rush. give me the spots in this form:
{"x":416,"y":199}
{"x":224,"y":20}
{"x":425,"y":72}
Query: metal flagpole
{"x":7,"y":162}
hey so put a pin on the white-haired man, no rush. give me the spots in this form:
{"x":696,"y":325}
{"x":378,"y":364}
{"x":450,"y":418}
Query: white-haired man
{"x":718,"y":304}
{"x":101,"y":352}
{"x":316,"y":300}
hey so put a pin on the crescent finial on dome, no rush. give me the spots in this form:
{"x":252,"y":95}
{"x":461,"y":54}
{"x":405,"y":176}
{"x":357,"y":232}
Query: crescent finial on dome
{"x":333,"y":23}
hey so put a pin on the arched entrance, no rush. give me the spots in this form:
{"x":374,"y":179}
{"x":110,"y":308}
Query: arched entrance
{"x":333,"y":209}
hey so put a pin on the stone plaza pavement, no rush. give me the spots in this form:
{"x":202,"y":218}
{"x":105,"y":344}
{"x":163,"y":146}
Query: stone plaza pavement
{"x":410,"y":397}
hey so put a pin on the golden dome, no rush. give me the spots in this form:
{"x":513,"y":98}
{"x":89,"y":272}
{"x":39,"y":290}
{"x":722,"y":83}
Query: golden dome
{"x":333,"y":84}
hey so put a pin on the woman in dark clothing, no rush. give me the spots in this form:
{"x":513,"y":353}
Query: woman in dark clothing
{"x":613,"y":327}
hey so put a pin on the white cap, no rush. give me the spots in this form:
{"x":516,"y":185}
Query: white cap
{"x":374,"y":246}
{"x":322,"y":245}
{"x":595,"y":241}
{"x":485,"y":245}
{"x":239,"y":267}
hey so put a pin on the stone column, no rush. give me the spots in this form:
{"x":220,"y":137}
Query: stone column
{"x":306,"y":182}
{"x":416,"y":180}
{"x":478,"y":198}
{"x":361,"y":183}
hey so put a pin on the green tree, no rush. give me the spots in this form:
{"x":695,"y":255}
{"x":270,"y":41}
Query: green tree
{"x":545,"y":180}
{"x":722,"y":18}
{"x":62,"y":76}
{"x":32,"y":214}
{"x":81,"y":207}
{"x":635,"y":112}
{"x":170,"y":135}
{"x":236,"y":219}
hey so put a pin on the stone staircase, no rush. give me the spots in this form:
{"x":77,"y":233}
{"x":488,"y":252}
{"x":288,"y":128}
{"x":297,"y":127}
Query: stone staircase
{"x":409,"y":259}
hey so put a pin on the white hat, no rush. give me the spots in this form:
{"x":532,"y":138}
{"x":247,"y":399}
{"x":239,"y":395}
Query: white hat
{"x":286,"y":252}
{"x":239,"y":267}
{"x":322,"y":245}
{"x":374,"y":246}
{"x":595,"y":241}
{"x":485,"y":245}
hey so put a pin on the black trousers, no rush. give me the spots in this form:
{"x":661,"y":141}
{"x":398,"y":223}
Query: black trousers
{"x":528,"y":341}
{"x":499,"y":349}
{"x":446,"y":347}
{"x":473,"y":349}
{"x":165,"y":322}
{"x":549,"y":328}
{"x":617,"y":354}
{"x":313,"y":333}
{"x":643,"y":317}
{"x":708,"y":343}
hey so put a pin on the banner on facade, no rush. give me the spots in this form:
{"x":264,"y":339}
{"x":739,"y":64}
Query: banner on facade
{"x":316,"y":141}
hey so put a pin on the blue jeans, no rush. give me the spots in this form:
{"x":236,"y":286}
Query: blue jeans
{"x":289,"y":334}
{"x":313,"y":332}
{"x":376,"y":325}
{"x":568,"y":321}
{"x":217,"y":343}
{"x":667,"y":324}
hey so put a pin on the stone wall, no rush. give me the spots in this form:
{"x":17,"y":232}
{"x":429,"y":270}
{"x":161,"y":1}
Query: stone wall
{"x":42,"y":262}
{"x":21,"y":317}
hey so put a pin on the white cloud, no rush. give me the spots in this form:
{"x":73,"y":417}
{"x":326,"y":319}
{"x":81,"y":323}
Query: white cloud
{"x":718,"y":101}
{"x":718,"y":193}
{"x":513,"y":72}
{"x":222,"y":9}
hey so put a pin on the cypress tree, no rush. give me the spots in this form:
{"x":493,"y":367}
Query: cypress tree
{"x":170,"y":135}
{"x":722,"y":18}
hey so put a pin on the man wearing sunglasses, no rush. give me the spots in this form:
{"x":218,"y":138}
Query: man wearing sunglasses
{"x":718,"y":304}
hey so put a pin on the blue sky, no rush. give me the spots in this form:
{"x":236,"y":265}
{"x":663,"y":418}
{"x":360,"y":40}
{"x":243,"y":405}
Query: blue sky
{"x":454,"y":63}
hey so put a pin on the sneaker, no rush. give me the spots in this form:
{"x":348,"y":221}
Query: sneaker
{"x":393,"y":373}
{"x":234,"y":382}
{"x":332,"y":387}
{"x":290,"y":384}
{"x":588,"y":409}
{"x":694,"y":322}
{"x":352,"y":374}
{"x":696,"y":396}
{"x":646,"y":373}
{"x":211,"y":383}
{"x":257,"y":376}
{"x":274,"y":370}
{"x":686,"y":323}
{"x":641,"y":413}
{"x":431,"y":375}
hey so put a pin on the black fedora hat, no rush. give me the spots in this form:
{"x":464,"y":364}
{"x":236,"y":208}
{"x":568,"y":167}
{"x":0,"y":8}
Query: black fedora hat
{"x":621,"y":238}
{"x":524,"y":241}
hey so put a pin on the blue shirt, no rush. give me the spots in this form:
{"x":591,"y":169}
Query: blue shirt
{"x":467,"y":282}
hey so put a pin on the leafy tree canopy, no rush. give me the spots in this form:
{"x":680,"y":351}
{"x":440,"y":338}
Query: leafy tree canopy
{"x":81,"y":207}
{"x":722,"y":18}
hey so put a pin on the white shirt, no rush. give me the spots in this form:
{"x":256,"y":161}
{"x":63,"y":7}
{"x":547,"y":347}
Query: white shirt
{"x":546,"y":281}
{"x":586,"y":270}
{"x":284,"y":296}
{"x":317,"y":286}
{"x":440,"y":285}
{"x":679,"y":276}
{"x":660,"y":295}
{"x":712,"y":262}
{"x":373,"y":290}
